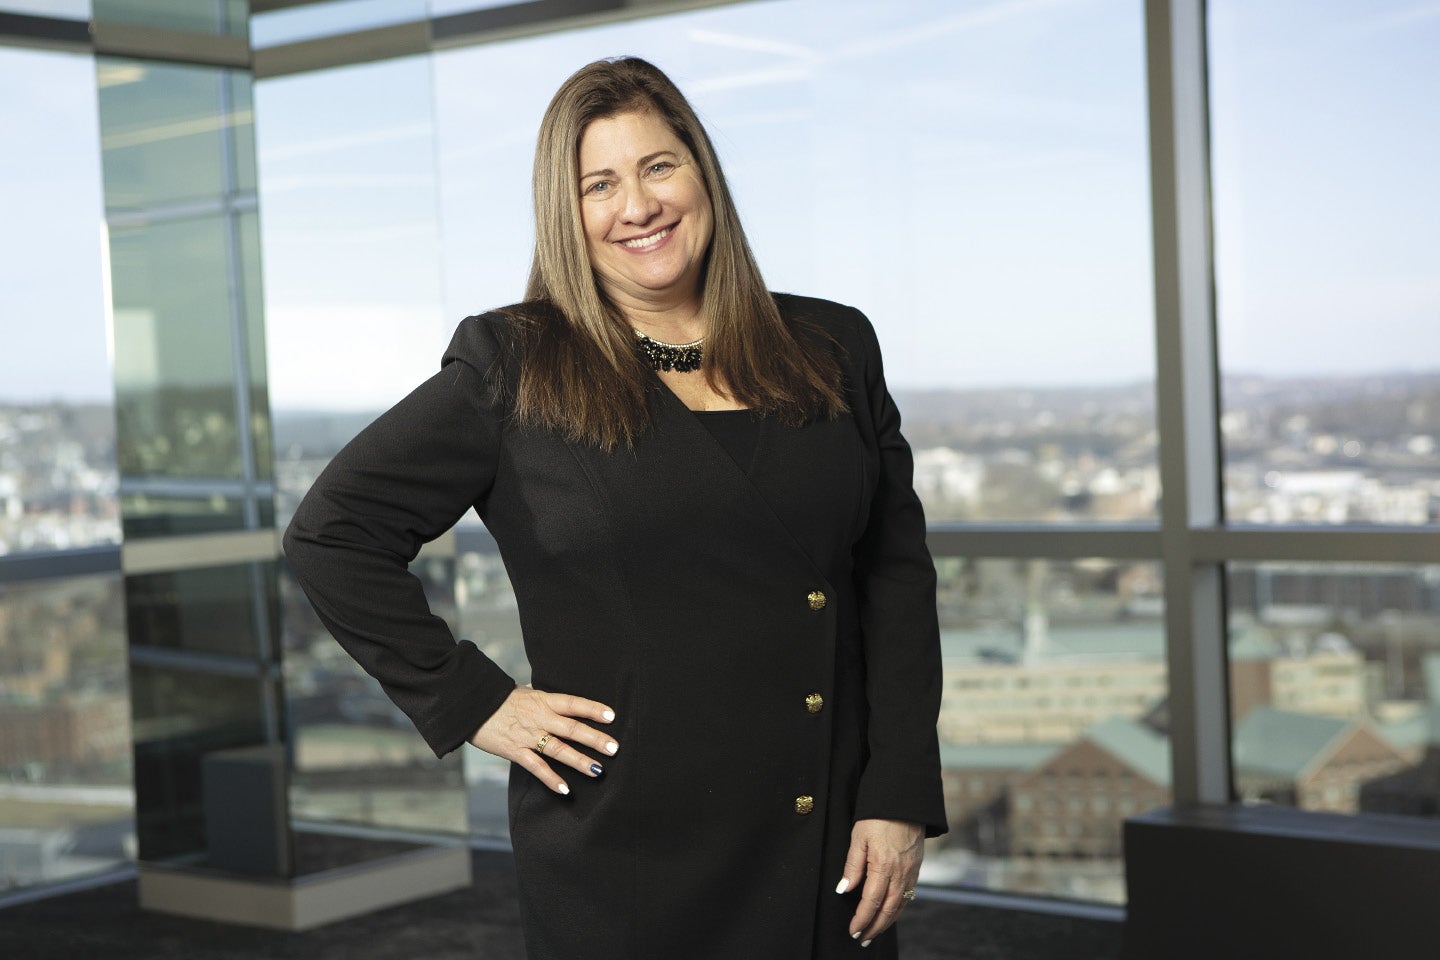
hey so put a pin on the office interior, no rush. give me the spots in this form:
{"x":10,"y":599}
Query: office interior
{"x":1157,"y":287}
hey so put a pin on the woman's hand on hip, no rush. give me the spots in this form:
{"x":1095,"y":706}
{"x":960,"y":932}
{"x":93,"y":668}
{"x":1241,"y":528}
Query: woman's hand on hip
{"x":885,"y":856}
{"x":532,"y":724}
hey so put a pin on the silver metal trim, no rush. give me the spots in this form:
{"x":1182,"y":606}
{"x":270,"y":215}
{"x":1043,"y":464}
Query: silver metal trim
{"x":180,"y":46}
{"x":1130,"y":541}
{"x":1187,"y":397}
{"x":163,"y":554}
{"x":365,"y":46}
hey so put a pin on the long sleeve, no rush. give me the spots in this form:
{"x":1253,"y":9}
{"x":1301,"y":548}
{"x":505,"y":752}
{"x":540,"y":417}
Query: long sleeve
{"x":403,"y":481}
{"x":895,"y":577}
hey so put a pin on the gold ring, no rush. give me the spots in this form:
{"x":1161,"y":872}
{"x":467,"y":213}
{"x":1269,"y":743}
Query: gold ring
{"x":908,"y":895}
{"x":541,"y":744}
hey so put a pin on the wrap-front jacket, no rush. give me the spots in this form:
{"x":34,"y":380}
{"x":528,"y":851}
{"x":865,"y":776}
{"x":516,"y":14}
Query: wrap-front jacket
{"x":765,"y":632}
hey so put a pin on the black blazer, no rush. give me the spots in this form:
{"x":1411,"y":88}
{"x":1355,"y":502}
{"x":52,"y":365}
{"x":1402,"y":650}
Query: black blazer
{"x":706,"y":601}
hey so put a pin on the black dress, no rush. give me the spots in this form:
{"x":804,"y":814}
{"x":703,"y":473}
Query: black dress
{"x":767,"y":637}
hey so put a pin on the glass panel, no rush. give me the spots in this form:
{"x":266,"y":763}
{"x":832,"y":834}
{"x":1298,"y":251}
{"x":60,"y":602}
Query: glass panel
{"x":357,"y":758}
{"x":350,"y":237}
{"x":1335,"y":686}
{"x":315,"y":20}
{"x":976,"y":181}
{"x":227,"y":17}
{"x":172,"y":132}
{"x":66,"y":803}
{"x":66,"y":9}
{"x":1053,"y":727}
{"x":1325,"y":140}
{"x":490,"y":619}
{"x":57,"y":420}
{"x":208,"y":610}
{"x":174,"y":356}
{"x":181,"y":715}
{"x":253,"y":298}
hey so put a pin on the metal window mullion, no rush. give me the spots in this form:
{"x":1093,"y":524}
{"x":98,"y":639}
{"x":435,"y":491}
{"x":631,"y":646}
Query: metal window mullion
{"x":1187,"y":398}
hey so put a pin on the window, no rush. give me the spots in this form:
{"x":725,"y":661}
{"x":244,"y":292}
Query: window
{"x":1324,"y":144}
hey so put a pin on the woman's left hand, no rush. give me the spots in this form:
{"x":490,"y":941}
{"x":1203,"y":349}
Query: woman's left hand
{"x":885,"y":855}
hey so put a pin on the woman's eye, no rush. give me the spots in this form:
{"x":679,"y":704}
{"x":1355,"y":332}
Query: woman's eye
{"x":598,"y":188}
{"x":661,"y":168}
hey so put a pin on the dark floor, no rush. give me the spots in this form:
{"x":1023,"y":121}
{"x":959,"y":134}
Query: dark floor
{"x":478,"y":923}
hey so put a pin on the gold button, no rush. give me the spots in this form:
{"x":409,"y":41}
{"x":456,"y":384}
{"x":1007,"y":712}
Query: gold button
{"x":814,"y":703}
{"x":816,"y":600}
{"x":804,"y":804}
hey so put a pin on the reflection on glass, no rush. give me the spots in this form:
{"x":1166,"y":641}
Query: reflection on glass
{"x":490,"y":619}
{"x":1335,"y":686}
{"x":224,"y":17}
{"x":66,"y":802}
{"x":351,"y":242}
{"x":357,"y":758}
{"x":1052,"y":726}
{"x":324,"y":19}
{"x":253,"y":304}
{"x":205,"y":610}
{"x":57,"y":420}
{"x":171,"y":132}
{"x":181,"y":715}
{"x":977,"y":183}
{"x":174,"y":357}
{"x":1324,"y":142}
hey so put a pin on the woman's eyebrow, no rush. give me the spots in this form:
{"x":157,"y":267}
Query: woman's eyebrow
{"x":643,"y":161}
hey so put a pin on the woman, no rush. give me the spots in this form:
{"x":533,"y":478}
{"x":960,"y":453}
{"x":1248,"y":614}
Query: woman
{"x":704,"y":503}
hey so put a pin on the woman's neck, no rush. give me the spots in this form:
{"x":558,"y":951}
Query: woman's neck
{"x":670,"y":323}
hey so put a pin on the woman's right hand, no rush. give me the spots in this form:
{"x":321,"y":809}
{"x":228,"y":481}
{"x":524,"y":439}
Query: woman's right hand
{"x":532,"y":724}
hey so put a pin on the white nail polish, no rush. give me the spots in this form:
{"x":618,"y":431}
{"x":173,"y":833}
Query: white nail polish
{"x":866,"y":943}
{"x":855,"y":935}
{"x":608,"y":715}
{"x":611,"y":747}
{"x":843,"y":885}
{"x":564,"y":789}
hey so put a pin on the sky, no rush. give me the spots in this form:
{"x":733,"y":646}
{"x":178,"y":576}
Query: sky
{"x":972,"y":175}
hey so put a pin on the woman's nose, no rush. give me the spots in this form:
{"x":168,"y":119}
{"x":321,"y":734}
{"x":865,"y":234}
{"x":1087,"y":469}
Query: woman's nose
{"x":640,"y":203}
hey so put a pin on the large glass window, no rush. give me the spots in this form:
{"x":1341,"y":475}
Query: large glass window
{"x":974,"y":179}
{"x":57,"y":423}
{"x":1325,"y":143}
{"x":353,"y":318}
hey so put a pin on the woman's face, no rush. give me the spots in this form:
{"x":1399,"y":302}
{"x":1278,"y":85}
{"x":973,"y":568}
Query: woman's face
{"x":645,"y":211}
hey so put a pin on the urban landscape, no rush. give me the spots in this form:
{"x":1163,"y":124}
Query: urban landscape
{"x":1053,"y":725}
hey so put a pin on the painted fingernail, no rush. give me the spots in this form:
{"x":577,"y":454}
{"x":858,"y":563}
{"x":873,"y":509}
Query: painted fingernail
{"x":856,"y":935}
{"x":596,"y":769}
{"x":608,"y":715}
{"x":843,"y":885}
{"x":563,"y":789}
{"x":611,"y":747}
{"x":866,"y":943}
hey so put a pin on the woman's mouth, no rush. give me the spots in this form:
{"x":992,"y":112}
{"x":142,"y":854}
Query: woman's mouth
{"x":649,"y":240}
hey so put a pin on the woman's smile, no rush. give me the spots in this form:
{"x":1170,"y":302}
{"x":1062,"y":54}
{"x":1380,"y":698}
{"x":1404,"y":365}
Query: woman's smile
{"x":645,"y":212}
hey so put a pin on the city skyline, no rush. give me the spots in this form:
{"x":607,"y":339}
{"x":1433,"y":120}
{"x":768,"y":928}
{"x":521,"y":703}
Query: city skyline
{"x":1022,"y":160}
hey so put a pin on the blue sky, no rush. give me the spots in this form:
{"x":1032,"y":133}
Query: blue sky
{"x":973,"y":175}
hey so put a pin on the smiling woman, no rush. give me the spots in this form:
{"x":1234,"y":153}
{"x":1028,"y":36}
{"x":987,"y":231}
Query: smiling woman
{"x":730,"y":622}
{"x":647,"y":222}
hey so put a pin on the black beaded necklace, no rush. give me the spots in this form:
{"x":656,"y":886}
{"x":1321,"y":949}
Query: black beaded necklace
{"x":680,"y":357}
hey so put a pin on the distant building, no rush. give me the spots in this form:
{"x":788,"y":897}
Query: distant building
{"x":1071,"y":806}
{"x":1309,"y":761}
{"x":77,"y":729}
{"x":978,"y":779}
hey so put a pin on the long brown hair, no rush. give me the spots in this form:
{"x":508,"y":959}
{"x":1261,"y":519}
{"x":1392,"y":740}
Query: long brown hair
{"x":580,"y":375}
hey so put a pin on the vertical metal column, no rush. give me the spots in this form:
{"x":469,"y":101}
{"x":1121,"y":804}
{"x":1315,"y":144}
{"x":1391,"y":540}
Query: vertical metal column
{"x":1187,"y":397}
